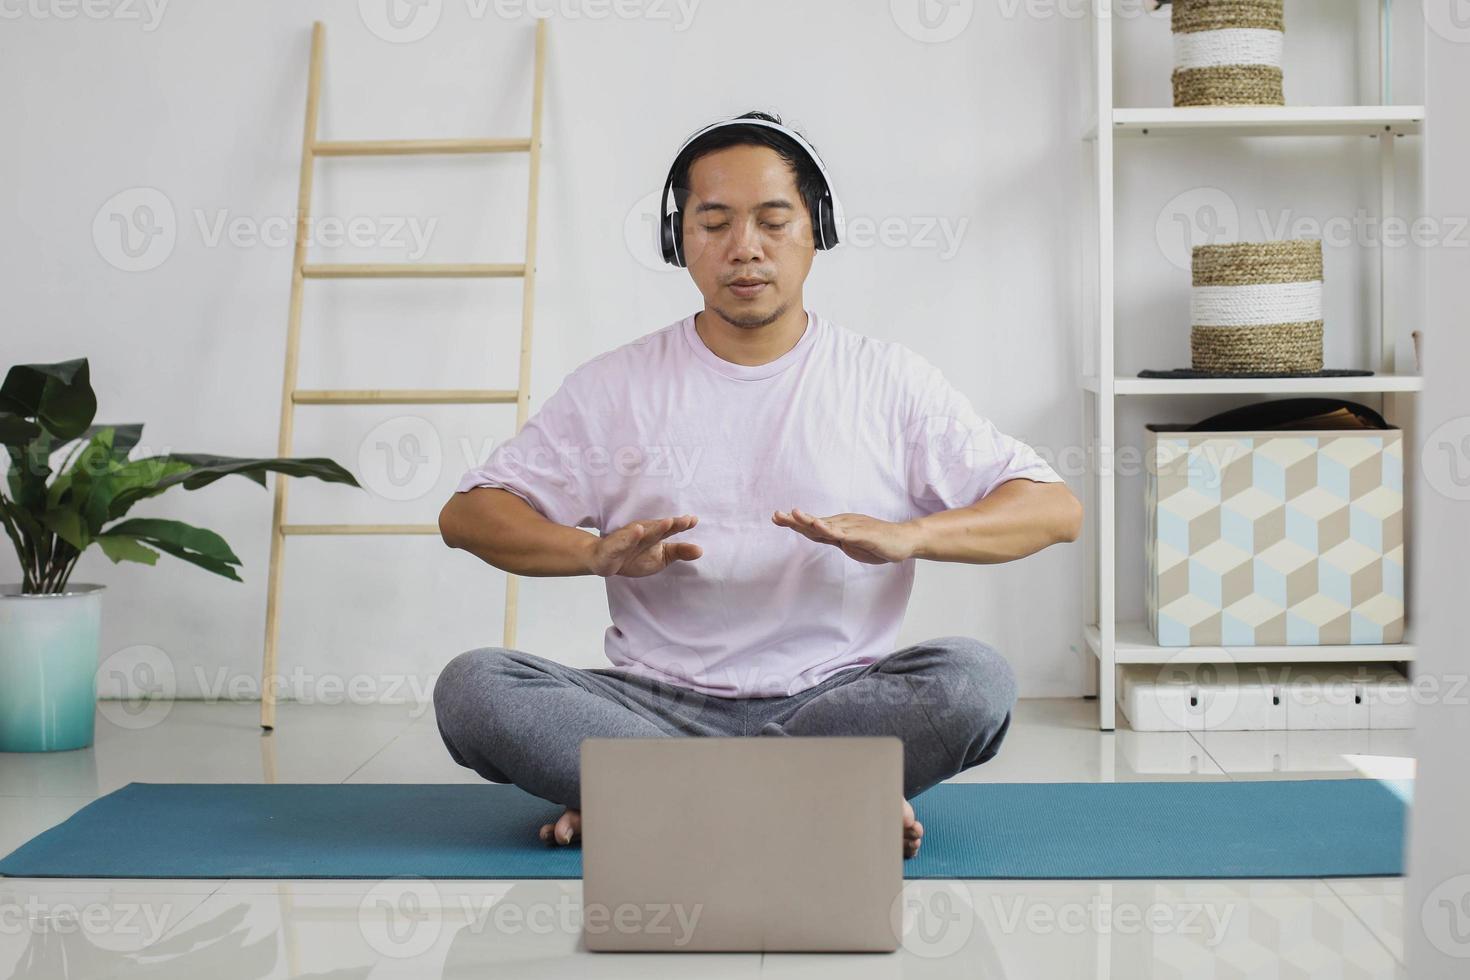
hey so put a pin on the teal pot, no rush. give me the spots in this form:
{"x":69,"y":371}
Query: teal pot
{"x":49,"y":647}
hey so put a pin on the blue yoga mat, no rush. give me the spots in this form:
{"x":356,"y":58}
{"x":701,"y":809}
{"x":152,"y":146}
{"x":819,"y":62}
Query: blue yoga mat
{"x":1318,"y":828}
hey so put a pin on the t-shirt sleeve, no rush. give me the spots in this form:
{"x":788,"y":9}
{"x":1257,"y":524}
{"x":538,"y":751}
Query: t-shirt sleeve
{"x":544,"y":463}
{"x":954,"y":455}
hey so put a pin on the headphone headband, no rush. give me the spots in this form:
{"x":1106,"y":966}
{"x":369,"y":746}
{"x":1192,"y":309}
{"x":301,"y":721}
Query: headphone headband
{"x":827,"y":223}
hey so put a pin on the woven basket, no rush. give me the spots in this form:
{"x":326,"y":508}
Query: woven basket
{"x":1227,"y":52}
{"x":1257,"y":307}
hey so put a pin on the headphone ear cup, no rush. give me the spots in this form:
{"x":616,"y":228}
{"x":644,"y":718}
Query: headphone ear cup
{"x":671,"y":238}
{"x":828,"y":220}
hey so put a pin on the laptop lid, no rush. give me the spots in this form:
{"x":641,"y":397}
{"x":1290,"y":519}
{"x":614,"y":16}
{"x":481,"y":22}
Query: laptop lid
{"x":742,"y":843}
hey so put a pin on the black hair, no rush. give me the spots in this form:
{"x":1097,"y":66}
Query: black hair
{"x":809,"y":181}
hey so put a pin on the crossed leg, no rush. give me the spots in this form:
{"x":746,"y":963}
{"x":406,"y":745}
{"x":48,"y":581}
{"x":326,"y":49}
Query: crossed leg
{"x":514,"y":717}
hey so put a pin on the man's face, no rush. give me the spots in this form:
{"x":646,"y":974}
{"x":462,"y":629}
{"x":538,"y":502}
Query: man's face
{"x":747,"y":235}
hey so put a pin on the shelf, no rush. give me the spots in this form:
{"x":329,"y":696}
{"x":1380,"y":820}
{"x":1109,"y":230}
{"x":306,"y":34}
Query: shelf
{"x":1352,"y":120}
{"x":1135,"y":645}
{"x":1133,"y":385}
{"x":1396,"y":386}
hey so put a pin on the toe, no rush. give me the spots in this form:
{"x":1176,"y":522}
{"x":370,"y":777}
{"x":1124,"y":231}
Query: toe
{"x":567,"y":827}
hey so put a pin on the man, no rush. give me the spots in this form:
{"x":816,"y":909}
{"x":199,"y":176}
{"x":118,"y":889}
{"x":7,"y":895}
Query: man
{"x":761,"y":480}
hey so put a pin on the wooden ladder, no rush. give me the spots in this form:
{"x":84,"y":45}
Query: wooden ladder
{"x":302,"y":270}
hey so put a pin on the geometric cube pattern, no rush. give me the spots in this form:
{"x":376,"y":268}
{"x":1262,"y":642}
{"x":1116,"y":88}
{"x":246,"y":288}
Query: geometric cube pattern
{"x":1275,"y":538}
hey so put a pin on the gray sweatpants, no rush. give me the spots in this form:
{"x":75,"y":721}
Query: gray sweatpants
{"x":514,"y":717}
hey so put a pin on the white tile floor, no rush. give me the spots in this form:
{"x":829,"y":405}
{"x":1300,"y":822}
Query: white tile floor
{"x":250,"y":929}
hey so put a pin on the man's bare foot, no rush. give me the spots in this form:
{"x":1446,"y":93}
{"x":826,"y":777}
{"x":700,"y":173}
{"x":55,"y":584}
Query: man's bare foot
{"x":913,"y":831}
{"x":568,"y":828}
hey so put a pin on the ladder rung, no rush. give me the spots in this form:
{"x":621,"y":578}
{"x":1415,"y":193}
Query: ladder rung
{"x":359,"y":529}
{"x":377,"y":148}
{"x":405,"y":396}
{"x":414,"y":270}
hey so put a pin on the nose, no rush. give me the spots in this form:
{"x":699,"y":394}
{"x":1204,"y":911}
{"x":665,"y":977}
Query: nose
{"x":745,"y":243}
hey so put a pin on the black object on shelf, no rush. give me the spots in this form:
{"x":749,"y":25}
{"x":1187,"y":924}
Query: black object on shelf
{"x":1287,"y":413}
{"x":1184,"y":373}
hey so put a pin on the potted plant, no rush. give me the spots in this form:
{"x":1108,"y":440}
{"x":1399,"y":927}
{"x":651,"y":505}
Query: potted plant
{"x":49,"y":628}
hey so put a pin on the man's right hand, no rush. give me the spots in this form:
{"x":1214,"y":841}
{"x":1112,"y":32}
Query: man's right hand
{"x":640,"y":548}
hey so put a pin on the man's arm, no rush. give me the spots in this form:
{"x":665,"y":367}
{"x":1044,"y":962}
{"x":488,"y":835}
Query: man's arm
{"x":1016,"y":519}
{"x":500,"y":528}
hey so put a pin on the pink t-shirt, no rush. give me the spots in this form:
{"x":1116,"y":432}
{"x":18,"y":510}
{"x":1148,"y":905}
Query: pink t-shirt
{"x":662,"y":426}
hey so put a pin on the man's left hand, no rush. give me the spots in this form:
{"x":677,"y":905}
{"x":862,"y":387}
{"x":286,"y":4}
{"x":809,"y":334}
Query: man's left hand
{"x":861,"y":537}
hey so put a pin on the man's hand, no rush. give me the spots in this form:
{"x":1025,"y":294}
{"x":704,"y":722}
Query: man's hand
{"x":639,"y":548}
{"x":863,"y":538}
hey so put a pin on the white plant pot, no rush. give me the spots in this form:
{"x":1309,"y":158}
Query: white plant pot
{"x":49,"y":652}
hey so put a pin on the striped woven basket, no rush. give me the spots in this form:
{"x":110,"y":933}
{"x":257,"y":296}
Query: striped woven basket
{"x":1257,"y":307}
{"x":1227,"y":52}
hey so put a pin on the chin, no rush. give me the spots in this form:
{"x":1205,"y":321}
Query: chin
{"x":750,"y":317}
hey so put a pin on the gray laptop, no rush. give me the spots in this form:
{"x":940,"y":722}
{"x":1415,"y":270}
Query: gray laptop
{"x":742,"y":843}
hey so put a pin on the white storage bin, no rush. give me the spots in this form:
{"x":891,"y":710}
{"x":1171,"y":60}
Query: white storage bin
{"x":1264,"y":697}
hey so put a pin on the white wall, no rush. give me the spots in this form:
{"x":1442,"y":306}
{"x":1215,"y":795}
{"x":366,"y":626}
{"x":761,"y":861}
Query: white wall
{"x":1436,"y":925}
{"x":978,"y":134}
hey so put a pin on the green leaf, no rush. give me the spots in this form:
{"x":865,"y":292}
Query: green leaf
{"x":208,"y":468}
{"x":15,"y":430}
{"x":30,"y":468}
{"x":206,"y":563}
{"x":165,"y":534}
{"x":59,"y":396}
{"x":68,"y":527}
{"x":86,"y":487}
{"x":195,"y":545}
{"x":126,"y":549}
{"x":90,"y":459}
{"x":124,"y":438}
{"x":139,"y":479}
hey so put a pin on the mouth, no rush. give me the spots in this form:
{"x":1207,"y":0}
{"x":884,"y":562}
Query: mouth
{"x":747,"y":288}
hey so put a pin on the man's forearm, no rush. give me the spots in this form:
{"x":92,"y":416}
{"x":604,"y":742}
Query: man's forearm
{"x":500,"y":528}
{"x":1018,"y":518}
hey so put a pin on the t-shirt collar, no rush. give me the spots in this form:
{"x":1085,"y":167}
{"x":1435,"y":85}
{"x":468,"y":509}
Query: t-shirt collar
{"x":750,"y":372}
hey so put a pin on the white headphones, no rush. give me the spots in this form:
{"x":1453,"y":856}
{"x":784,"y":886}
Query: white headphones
{"x":828,"y":224}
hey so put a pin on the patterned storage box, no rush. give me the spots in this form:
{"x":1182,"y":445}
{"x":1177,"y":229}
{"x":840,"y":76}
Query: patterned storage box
{"x":1278,"y":537}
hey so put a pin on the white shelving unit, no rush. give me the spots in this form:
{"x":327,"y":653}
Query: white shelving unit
{"x":1133,"y":385}
{"x":1135,"y":645}
{"x":1129,"y":642}
{"x":1334,"y":120}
